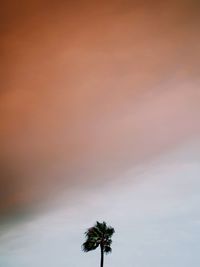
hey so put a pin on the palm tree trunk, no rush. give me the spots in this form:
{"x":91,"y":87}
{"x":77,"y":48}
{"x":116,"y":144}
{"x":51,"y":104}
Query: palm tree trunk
{"x":102,"y":256}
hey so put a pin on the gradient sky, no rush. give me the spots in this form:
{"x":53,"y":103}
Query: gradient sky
{"x":100,"y":108}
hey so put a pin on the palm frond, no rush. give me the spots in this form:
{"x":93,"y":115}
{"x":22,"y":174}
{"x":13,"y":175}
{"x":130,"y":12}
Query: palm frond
{"x":107,"y":242}
{"x":93,"y":231}
{"x":89,"y":245}
{"x":101,"y":226}
{"x":110,"y":231}
{"x":107,"y":249}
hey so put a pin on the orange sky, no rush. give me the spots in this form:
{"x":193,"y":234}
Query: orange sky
{"x":90,"y":89}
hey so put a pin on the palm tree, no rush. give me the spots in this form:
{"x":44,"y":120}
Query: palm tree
{"x":99,"y":236}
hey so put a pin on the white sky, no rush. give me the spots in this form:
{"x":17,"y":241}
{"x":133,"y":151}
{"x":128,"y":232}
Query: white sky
{"x":156,"y":217}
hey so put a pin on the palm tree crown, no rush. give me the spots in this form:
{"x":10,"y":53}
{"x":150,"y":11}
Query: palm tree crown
{"x":99,"y":235}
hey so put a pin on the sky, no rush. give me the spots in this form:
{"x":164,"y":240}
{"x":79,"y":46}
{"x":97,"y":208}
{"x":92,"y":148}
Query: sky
{"x":99,"y":120}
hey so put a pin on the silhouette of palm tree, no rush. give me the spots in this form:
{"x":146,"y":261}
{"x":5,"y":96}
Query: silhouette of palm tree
{"x":99,"y":236}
